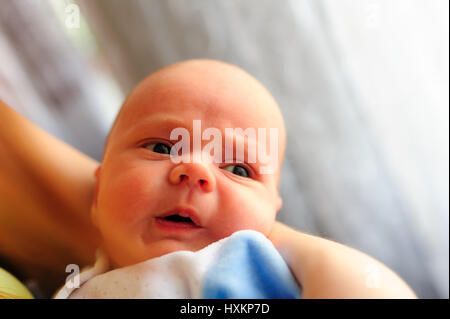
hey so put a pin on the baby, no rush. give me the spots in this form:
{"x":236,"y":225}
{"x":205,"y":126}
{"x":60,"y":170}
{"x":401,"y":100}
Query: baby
{"x":150,"y":201}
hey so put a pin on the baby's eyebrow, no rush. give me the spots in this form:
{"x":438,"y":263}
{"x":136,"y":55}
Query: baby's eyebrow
{"x":160,"y":123}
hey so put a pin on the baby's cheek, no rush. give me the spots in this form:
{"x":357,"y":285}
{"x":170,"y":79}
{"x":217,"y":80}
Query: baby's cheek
{"x":129,"y":197}
{"x":252,"y":213}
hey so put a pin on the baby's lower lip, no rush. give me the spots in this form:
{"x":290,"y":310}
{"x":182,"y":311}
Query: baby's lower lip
{"x":175,"y":226}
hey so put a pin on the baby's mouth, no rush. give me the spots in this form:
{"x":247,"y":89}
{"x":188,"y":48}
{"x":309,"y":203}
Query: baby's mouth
{"x":179,"y":218}
{"x":176,"y":222}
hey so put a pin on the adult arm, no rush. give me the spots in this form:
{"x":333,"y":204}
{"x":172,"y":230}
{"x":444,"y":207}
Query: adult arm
{"x":327,"y":269}
{"x":46,"y":188}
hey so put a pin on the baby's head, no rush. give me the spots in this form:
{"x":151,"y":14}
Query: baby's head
{"x":147,"y":203}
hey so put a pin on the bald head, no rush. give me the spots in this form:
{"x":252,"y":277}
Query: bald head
{"x":215,"y":89}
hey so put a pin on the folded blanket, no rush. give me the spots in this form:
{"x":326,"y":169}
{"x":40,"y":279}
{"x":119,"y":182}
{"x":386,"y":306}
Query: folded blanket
{"x":244,"y":265}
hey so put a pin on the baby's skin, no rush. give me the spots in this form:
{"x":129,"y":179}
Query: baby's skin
{"x":138,"y":184}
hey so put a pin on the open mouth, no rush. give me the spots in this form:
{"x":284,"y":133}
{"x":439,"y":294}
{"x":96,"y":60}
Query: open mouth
{"x":178,"y":219}
{"x":181,"y":219}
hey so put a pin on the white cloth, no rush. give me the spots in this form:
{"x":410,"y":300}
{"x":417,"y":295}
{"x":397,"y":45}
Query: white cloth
{"x":244,"y":265}
{"x":175,"y":275}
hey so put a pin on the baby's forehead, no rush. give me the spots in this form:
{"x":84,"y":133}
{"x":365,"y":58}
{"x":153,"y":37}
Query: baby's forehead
{"x":213,"y":92}
{"x":244,"y":105}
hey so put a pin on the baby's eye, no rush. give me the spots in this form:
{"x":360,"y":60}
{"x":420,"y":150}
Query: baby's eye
{"x":238,"y":170}
{"x":158,"y":147}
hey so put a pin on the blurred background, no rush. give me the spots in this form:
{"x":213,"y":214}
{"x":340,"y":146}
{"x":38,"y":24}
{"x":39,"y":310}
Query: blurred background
{"x":362,"y":84}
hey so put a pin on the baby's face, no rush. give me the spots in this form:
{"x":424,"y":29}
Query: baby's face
{"x":146,"y":204}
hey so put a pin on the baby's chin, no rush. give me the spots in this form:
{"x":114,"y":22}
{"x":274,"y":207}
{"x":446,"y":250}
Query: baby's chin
{"x":164,"y":247}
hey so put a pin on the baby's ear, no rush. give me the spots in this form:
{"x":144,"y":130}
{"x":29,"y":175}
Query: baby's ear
{"x":279,"y":202}
{"x":94,"y":201}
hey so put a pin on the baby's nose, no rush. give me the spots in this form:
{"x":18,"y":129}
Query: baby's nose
{"x":194,"y":174}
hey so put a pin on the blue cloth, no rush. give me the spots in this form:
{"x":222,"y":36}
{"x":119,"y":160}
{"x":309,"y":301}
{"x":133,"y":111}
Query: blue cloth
{"x":249,"y":267}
